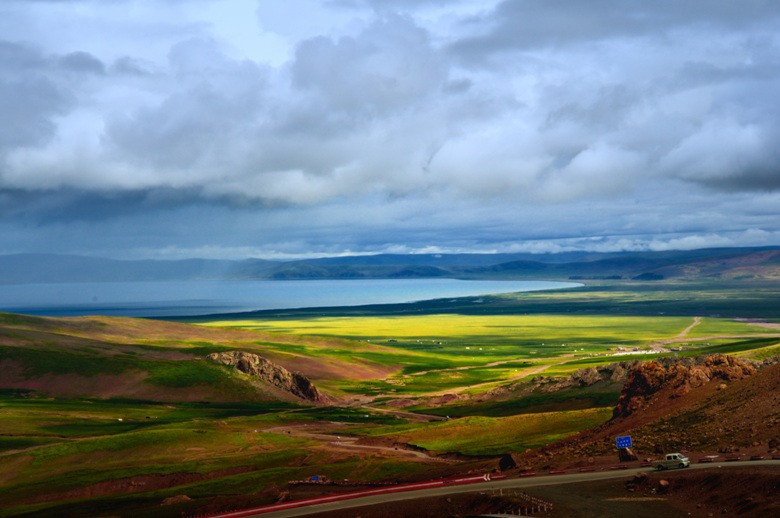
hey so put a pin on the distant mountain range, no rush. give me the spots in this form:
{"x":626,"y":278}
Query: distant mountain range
{"x":725,"y":263}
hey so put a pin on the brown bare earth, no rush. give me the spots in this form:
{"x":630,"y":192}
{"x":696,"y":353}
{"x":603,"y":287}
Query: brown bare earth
{"x":746,"y":492}
{"x":721,"y":407}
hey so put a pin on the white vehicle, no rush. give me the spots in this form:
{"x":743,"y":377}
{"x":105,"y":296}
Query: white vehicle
{"x":672,"y":461}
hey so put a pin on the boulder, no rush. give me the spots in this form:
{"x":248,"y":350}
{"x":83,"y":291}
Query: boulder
{"x":508,"y":461}
{"x":587,"y":376}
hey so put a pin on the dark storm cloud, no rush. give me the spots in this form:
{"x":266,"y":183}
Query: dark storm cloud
{"x":82,"y":62}
{"x":128,"y":65}
{"x":519,"y":24}
{"x":71,"y":205}
{"x":378,"y":225}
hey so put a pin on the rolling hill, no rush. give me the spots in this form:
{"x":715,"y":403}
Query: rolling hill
{"x":106,"y":357}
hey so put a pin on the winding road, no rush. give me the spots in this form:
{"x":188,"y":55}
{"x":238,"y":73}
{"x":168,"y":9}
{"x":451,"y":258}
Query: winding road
{"x":441,"y":491}
{"x":658,"y":345}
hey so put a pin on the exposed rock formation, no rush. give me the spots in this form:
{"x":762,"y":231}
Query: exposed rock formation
{"x":725,"y":414}
{"x":254,"y":365}
{"x":677,"y":378}
{"x":618,"y":373}
{"x":614,"y":373}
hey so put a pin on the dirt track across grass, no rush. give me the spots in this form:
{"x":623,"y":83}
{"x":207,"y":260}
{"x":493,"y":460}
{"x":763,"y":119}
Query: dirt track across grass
{"x":338,"y":441}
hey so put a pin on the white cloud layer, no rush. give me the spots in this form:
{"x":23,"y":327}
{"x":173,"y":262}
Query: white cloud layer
{"x":362,"y":125}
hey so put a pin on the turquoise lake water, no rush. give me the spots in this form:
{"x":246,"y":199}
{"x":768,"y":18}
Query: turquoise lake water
{"x":190,"y":298}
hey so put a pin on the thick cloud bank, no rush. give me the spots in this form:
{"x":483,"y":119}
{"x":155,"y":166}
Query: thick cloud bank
{"x":307,"y":127}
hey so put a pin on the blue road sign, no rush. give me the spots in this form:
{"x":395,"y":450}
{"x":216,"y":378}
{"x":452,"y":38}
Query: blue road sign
{"x":624,"y":442}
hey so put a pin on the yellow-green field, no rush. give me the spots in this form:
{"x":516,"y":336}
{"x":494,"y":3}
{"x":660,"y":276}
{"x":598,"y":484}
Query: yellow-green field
{"x":495,"y":436}
{"x":446,"y":351}
{"x":567,"y":332}
{"x":500,"y":328}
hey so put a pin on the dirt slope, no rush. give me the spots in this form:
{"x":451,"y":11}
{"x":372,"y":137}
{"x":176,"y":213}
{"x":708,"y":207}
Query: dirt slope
{"x":722,"y":405}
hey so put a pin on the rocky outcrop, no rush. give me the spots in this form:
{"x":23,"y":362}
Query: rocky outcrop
{"x":614,"y":376}
{"x":650,"y":378}
{"x":618,"y":373}
{"x":254,"y":365}
{"x":614,"y":373}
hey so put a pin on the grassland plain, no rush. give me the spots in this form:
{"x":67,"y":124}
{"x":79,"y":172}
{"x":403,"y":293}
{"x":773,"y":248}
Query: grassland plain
{"x":93,"y":456}
{"x":438,"y":352}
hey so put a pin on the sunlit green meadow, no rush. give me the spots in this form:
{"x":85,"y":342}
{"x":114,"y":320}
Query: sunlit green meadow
{"x":495,"y":436}
{"x":494,"y":329}
{"x":463,"y":335}
{"x":444,"y":351}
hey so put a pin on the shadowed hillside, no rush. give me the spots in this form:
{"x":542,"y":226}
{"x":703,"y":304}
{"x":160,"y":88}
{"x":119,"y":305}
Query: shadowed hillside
{"x":105,"y":357}
{"x":719,"y":404}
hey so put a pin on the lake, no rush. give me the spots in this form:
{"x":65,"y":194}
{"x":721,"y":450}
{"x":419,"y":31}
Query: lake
{"x":191,"y":298}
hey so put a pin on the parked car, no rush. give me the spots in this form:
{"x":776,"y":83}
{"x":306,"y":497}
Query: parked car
{"x":672,"y":461}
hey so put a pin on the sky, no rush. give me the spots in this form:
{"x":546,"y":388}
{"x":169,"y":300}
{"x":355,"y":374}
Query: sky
{"x":169,"y":129}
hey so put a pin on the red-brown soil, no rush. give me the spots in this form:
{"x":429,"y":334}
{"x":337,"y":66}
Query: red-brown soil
{"x":745,"y":492}
{"x":752,"y":492}
{"x":135,"y":484}
{"x":676,"y":409}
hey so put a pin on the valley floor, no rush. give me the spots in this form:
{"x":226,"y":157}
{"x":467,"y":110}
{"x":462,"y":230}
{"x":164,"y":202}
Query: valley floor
{"x":109,"y":416}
